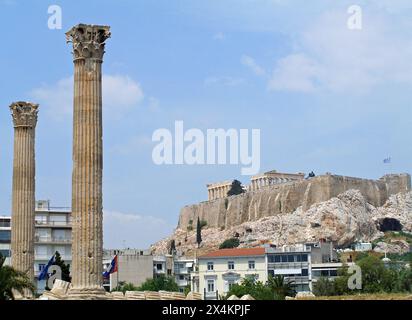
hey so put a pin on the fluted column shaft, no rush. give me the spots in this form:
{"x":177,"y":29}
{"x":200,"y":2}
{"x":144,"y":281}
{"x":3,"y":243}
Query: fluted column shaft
{"x":87,"y":176}
{"x":23,"y":187}
{"x":87,"y":204}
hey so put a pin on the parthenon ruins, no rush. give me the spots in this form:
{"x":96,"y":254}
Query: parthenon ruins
{"x":219,"y":190}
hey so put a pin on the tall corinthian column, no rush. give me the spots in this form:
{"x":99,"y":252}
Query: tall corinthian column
{"x":87,"y":211}
{"x":23,"y":193}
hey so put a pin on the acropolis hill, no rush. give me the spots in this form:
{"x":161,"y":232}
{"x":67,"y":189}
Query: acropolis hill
{"x":265,"y":199}
{"x":284,"y":208}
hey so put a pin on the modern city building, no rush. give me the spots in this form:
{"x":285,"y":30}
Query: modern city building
{"x":292,"y":262}
{"x":53,"y":232}
{"x":183,"y":270}
{"x":163,"y":265}
{"x":5,"y":238}
{"x":219,"y":270}
{"x":134,"y":266}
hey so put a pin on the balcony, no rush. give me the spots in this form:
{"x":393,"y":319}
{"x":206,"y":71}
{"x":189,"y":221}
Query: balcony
{"x":53,"y":240}
{"x":43,"y":257}
{"x":54,"y":224}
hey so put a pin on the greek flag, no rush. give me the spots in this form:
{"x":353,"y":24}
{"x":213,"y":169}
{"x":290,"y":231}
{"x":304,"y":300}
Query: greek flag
{"x":112,"y":268}
{"x":43,"y":274}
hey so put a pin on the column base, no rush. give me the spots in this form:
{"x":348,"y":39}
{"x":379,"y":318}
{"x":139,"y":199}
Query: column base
{"x":88,"y":294}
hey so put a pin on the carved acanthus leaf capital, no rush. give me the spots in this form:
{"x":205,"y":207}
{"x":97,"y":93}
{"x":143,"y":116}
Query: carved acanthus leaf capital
{"x":88,"y":41}
{"x":24,"y":114}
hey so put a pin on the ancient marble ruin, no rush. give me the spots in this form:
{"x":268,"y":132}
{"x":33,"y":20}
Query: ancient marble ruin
{"x":218,"y":190}
{"x":23,"y":190}
{"x":286,"y":196}
{"x":87,"y":210}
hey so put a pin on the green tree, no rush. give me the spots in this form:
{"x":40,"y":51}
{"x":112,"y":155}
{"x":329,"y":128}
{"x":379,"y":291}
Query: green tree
{"x":236,"y":188}
{"x":159,"y":283}
{"x":281,"y":287}
{"x":65,"y":268}
{"x":375,"y":277}
{"x":230,"y":243}
{"x":404,"y":280}
{"x":13,"y":280}
{"x":324,"y":287}
{"x":249,"y":285}
{"x":198,"y":232}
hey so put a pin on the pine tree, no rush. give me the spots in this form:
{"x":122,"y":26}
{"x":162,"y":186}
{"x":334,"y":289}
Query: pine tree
{"x":64,"y":267}
{"x":236,"y":188}
{"x":198,"y":232}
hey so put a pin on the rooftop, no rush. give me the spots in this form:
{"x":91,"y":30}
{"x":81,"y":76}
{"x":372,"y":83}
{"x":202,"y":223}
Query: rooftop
{"x":238,"y":252}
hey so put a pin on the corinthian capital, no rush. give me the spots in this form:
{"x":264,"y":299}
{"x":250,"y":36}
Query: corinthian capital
{"x":88,"y":41}
{"x":24,"y":114}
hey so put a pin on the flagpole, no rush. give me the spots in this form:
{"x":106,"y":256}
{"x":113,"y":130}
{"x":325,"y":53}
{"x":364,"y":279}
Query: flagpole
{"x":117,"y":262}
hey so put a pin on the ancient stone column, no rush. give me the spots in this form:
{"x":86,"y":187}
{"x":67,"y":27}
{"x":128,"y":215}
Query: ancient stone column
{"x":23,"y":191}
{"x":87,"y":209}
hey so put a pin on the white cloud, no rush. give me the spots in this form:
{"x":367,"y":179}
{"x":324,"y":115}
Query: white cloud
{"x":330,"y":57}
{"x":225,"y":81}
{"x":252,"y":65}
{"x":120,"y":94}
{"x":133,"y":230}
{"x":295,"y":72}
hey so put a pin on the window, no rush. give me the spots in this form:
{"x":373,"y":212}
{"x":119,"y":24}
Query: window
{"x":169,"y":272}
{"x":159,"y":266}
{"x":255,"y":277}
{"x":284,"y":258}
{"x":210,"y":266}
{"x":277,"y":258}
{"x":316,"y":273}
{"x":210,"y":285}
{"x":305,"y":272}
{"x":230,"y":284}
{"x":304,"y":257}
{"x":5,"y":253}
{"x":324,"y":273}
{"x":291,"y":258}
{"x":181,"y":277}
{"x":333,"y":273}
{"x":5,"y":223}
{"x":251,"y":264}
{"x":5,"y":236}
{"x":231,"y":265}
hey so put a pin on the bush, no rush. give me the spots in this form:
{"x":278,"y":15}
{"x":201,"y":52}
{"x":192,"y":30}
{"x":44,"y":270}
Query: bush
{"x":324,"y":287}
{"x":203,"y":223}
{"x":159,"y":283}
{"x":230,"y":243}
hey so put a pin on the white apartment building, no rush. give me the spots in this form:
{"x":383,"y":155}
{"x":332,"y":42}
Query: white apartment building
{"x":182,"y":270}
{"x":53,"y":232}
{"x":5,"y":238}
{"x":219,"y":270}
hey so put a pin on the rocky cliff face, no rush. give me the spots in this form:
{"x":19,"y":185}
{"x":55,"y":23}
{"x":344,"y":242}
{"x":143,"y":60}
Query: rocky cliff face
{"x":286,"y":198}
{"x":344,"y":219}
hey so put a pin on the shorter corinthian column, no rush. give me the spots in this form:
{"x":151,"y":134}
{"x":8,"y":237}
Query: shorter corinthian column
{"x":23,"y":193}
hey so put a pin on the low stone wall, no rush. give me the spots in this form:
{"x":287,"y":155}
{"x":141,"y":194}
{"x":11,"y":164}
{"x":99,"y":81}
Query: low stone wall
{"x":285,"y":198}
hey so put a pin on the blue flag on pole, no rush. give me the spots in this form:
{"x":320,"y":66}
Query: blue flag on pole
{"x":43,"y":274}
{"x":387,"y":160}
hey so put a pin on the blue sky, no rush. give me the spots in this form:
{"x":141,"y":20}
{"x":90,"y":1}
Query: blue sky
{"x":325,"y":98}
